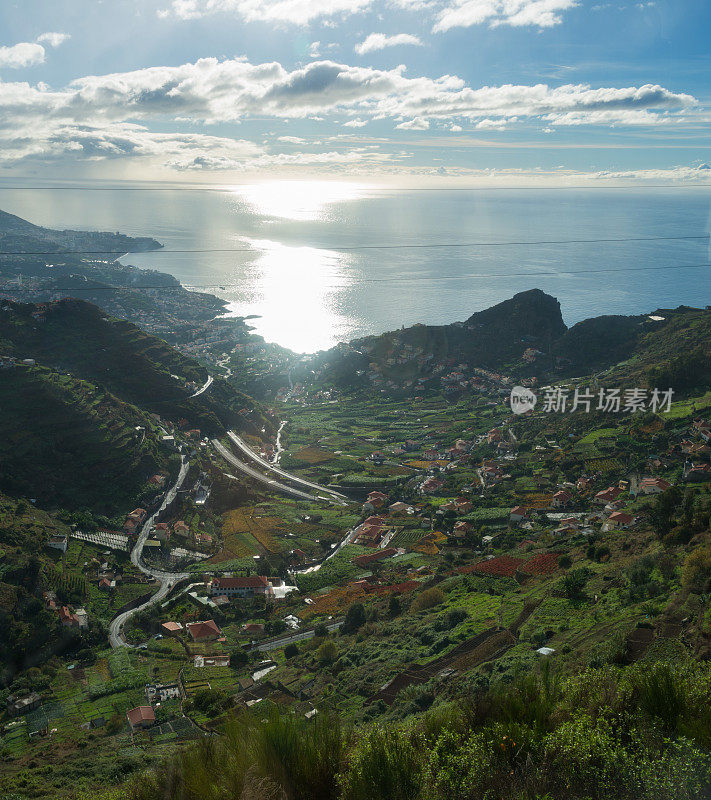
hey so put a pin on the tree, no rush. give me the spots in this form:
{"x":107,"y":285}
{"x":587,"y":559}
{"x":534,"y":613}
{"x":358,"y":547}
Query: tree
{"x":696,"y":572}
{"x":394,"y":606}
{"x":326,"y":654}
{"x":238,"y":658}
{"x":291,"y":651}
{"x":355,"y":618}
{"x":321,"y":630}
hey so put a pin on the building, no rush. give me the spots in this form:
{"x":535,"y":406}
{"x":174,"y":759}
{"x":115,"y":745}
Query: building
{"x":653,"y":486}
{"x":206,"y":631}
{"x":607,"y":495}
{"x":181,"y":529}
{"x":517,"y":515}
{"x":68,"y":619}
{"x":16,"y":707}
{"x":561,"y":499}
{"x":618,"y":519}
{"x":246,"y":586}
{"x":375,"y":500}
{"x":141,"y":717}
{"x":400,"y":509}
{"x":82,"y":617}
{"x":462,"y":529}
{"x":58,"y":543}
{"x":161,"y":692}
{"x":171,"y":628}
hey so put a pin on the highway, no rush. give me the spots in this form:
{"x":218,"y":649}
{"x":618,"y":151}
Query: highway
{"x":271,"y":483}
{"x":166,"y":579}
{"x":247,"y":450}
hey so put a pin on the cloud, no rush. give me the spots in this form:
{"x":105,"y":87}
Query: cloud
{"x":35,"y":119}
{"x":674,"y":174}
{"x":24,"y":54}
{"x":379,"y":41}
{"x":211,"y":91}
{"x":416,"y":124}
{"x":298,"y":12}
{"x":53,"y":39}
{"x":516,"y":13}
{"x":29,"y":54}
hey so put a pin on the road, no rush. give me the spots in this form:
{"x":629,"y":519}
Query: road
{"x":247,"y":450}
{"x":166,"y":579}
{"x":275,"y":644}
{"x":204,"y":387}
{"x":271,"y":483}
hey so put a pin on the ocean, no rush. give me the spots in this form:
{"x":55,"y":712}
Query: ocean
{"x":316,"y":263}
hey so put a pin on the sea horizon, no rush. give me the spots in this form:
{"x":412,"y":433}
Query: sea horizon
{"x":313,"y":263}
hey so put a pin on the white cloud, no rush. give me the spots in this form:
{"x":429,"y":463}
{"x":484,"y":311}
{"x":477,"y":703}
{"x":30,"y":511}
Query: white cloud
{"x":53,"y":39}
{"x":701,"y":173}
{"x":24,"y":54}
{"x":298,"y":12}
{"x":210,"y":90}
{"x":29,"y":54}
{"x":516,"y":13}
{"x":416,"y":124}
{"x":35,"y":119}
{"x":379,"y":41}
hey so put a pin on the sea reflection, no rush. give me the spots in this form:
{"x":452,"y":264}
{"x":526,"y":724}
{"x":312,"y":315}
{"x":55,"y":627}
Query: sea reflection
{"x":304,"y":201}
{"x":299,"y":286}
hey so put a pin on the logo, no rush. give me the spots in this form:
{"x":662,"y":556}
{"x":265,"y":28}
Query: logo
{"x":522,"y":400}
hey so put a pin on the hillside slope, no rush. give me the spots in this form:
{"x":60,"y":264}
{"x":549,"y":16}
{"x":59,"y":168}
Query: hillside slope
{"x":78,"y":338}
{"x":70,"y":444}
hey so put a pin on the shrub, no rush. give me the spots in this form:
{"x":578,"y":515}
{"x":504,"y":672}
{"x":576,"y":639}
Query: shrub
{"x":661,"y":693}
{"x":696,"y":572}
{"x":384,"y":765}
{"x":427,"y":599}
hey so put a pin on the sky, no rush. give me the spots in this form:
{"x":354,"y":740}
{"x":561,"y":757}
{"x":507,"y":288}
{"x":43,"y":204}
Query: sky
{"x":418,"y":92}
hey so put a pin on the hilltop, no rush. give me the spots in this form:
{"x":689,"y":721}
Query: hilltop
{"x":525,"y":337}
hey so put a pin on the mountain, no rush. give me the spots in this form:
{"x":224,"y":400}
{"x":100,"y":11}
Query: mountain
{"x":487,"y":339}
{"x":75,"y":429}
{"x":18,"y":235}
{"x":525,"y":337}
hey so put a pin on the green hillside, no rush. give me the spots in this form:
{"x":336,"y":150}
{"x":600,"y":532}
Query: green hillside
{"x":76,"y":337}
{"x":68,"y":443}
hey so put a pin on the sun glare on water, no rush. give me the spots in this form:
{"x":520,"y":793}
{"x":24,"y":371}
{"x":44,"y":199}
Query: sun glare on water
{"x":304,"y":201}
{"x":297,"y":286}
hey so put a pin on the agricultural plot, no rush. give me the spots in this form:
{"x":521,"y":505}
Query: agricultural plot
{"x":336,"y":570}
{"x":407,"y":537}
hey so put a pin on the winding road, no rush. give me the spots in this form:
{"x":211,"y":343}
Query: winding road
{"x":166,"y":579}
{"x":204,"y":387}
